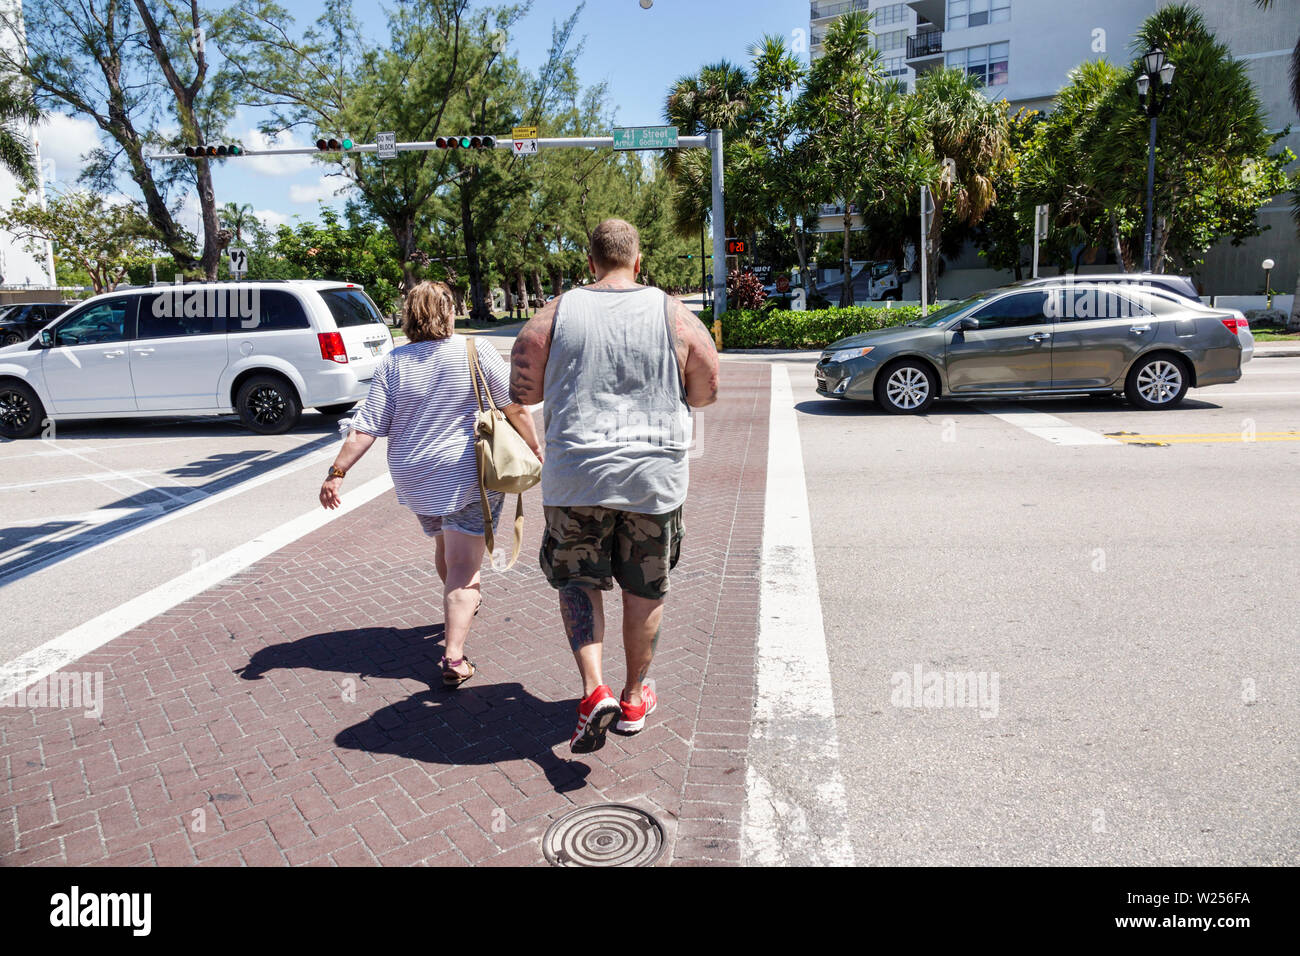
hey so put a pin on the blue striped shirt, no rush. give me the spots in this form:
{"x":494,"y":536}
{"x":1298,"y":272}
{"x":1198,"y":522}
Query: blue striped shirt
{"x":422,"y":400}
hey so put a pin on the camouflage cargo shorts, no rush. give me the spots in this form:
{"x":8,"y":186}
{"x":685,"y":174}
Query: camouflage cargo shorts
{"x":596,"y":546}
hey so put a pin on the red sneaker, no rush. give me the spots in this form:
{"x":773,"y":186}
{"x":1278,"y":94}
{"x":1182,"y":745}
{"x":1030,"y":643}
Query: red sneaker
{"x":633,"y":719}
{"x":595,"y":714}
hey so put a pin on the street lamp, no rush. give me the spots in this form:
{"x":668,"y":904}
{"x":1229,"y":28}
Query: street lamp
{"x":1153,"y":90}
{"x":1268,"y":268}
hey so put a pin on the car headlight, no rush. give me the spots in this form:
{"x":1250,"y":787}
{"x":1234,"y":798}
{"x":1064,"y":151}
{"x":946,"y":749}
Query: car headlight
{"x":843,"y":355}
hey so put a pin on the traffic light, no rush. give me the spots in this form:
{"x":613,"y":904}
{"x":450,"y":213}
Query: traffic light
{"x":333,"y":145}
{"x":216,"y":149}
{"x":466,"y":142}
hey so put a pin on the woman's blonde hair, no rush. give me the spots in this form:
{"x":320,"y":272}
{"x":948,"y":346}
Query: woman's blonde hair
{"x":429,"y":312}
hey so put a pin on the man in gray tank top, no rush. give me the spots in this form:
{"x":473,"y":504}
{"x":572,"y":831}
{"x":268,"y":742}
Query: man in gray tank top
{"x":619,"y":366}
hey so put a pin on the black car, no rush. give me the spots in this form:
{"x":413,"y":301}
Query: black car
{"x":20,"y":322}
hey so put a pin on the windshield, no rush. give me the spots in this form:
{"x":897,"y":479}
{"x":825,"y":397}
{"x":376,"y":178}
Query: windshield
{"x":940,"y":316}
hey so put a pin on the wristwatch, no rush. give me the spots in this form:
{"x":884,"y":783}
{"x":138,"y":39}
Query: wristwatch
{"x":336,"y":472}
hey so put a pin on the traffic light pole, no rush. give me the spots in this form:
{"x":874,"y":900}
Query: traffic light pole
{"x":713,"y":142}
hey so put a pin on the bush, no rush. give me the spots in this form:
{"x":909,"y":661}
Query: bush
{"x":744,"y":289}
{"x":778,"y":329}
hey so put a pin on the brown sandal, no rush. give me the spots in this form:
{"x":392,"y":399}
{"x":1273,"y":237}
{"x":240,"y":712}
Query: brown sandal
{"x":450,"y":678}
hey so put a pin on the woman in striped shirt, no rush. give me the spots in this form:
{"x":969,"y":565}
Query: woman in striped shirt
{"x":422,"y":399}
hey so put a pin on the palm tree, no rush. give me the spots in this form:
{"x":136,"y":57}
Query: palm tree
{"x":16,"y":154}
{"x":237,"y":217}
{"x":966,"y":134}
{"x":1295,"y":61}
{"x":718,"y":97}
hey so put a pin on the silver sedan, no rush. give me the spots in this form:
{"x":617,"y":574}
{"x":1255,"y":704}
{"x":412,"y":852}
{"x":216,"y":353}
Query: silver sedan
{"x":1012,"y":342}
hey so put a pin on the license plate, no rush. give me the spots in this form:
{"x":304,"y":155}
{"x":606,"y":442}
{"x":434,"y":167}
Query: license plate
{"x":375,"y":347}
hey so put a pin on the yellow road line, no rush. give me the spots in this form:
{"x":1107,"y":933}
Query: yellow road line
{"x":1171,"y":440}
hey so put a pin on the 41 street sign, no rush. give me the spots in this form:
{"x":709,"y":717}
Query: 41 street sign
{"x":646,"y":137}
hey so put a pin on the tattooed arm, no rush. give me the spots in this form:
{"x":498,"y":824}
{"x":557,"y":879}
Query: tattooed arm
{"x":528,"y":357}
{"x":699,"y":358}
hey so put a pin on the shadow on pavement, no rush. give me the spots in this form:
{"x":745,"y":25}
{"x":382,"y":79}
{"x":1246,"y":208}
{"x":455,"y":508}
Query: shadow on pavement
{"x":479,"y":723}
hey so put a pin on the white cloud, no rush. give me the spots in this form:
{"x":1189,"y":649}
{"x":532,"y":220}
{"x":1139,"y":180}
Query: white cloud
{"x":324,"y":189}
{"x":270,"y":218}
{"x":274,"y":165}
{"x":64,"y":141}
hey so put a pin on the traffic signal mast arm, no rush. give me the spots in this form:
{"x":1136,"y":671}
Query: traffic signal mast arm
{"x":502,"y":142}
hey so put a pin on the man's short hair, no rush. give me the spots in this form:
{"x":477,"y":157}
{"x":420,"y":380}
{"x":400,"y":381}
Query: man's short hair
{"x":615,"y":243}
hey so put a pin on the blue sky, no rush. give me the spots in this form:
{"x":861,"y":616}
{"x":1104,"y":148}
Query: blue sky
{"x":637,"y":52}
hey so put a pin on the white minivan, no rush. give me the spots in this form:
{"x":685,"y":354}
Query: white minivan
{"x":265,"y":350}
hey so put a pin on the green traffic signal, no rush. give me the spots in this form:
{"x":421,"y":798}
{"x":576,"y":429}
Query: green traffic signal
{"x":464,"y":142}
{"x":347,"y":144}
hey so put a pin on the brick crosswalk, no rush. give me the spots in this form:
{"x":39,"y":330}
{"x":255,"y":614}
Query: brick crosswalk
{"x":293,"y":715}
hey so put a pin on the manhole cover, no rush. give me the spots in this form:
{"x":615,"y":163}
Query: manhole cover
{"x":608,"y":834}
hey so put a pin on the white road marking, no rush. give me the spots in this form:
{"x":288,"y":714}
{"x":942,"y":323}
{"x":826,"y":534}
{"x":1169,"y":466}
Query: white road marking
{"x":72,"y":479}
{"x":1056,"y":430}
{"x":154,"y":517}
{"x":57,"y":653}
{"x":795,"y":805}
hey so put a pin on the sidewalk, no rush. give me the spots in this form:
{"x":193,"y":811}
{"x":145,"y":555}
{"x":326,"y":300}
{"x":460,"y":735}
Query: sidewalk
{"x":293,"y":714}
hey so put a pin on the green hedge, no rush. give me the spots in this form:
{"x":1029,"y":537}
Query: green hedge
{"x":779,"y":329}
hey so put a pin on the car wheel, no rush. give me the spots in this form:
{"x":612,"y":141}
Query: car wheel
{"x":1159,"y":381}
{"x":336,"y":411}
{"x":11,"y":338}
{"x":268,"y":405}
{"x":21,"y":412}
{"x":908,"y":388}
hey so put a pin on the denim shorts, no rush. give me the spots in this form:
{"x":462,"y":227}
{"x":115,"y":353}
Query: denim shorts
{"x":468,"y":520}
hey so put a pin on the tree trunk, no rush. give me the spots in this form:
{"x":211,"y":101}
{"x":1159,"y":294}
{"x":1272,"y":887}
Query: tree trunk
{"x":537,"y":287}
{"x":846,"y":263}
{"x":479,"y":310}
{"x":557,"y":280}
{"x":522,"y":286}
{"x":932,"y":249}
{"x":1293,"y":321}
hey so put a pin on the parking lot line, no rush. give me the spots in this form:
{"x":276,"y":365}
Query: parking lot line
{"x":54,"y":654}
{"x":1056,"y":430}
{"x":795,"y":805}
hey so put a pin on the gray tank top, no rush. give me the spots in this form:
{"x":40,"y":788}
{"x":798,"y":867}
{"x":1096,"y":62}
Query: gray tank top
{"x":617,"y":424}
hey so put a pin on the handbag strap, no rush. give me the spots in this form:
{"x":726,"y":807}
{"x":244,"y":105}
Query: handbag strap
{"x":477,"y":377}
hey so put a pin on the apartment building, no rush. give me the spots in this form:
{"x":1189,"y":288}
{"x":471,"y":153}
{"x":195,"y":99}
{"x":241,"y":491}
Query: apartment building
{"x":19,"y":268}
{"x":1023,"y":50}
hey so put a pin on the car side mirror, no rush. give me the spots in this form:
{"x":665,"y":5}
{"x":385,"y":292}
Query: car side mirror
{"x":47,"y":339}
{"x":967,"y":324}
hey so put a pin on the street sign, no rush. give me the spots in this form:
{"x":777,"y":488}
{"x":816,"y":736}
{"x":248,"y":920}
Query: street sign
{"x":783,"y":284}
{"x":1040,"y":220}
{"x":645,"y":137}
{"x":525,"y":140}
{"x":238,"y":261}
{"x":735,"y":247}
{"x":386,"y":145}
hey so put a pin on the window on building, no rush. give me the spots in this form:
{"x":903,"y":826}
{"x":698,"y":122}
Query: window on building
{"x":889,"y":41}
{"x":976,"y":13}
{"x":893,"y":13}
{"x":987,"y":63}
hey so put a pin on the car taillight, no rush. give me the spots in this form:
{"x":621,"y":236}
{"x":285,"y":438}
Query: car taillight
{"x":1236,"y":325}
{"x":331,"y":347}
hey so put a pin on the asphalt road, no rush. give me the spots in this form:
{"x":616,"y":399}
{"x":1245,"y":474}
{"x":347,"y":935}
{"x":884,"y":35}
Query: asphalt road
{"x":1136,"y":603}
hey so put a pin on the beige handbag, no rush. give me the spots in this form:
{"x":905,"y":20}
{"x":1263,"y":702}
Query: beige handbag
{"x":505,"y":462}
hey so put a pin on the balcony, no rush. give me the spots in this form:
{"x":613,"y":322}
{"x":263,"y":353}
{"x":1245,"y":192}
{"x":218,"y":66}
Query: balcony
{"x":824,"y":11}
{"x":925,"y":45}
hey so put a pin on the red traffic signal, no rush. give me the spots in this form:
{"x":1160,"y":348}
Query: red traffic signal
{"x":736,"y":247}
